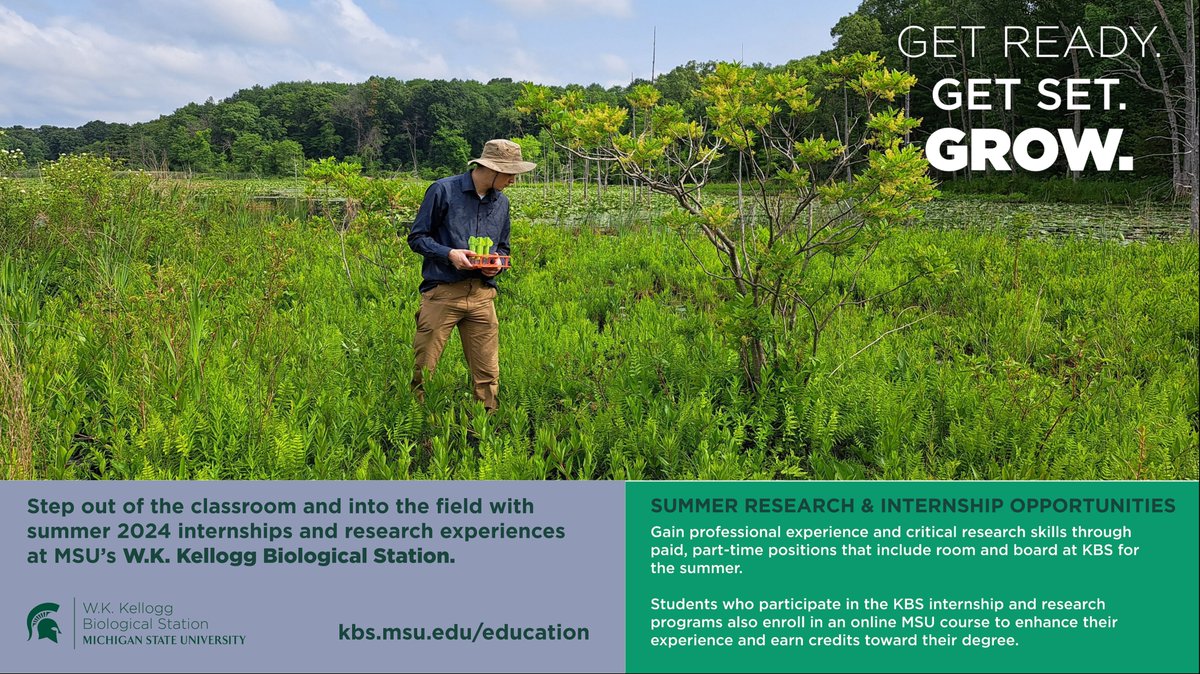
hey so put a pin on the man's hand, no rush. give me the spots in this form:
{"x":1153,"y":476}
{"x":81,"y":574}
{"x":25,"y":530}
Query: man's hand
{"x":490,"y":271}
{"x":461,"y":259}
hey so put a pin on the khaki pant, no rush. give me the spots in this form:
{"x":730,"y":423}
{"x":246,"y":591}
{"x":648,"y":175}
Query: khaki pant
{"x":468,"y":305}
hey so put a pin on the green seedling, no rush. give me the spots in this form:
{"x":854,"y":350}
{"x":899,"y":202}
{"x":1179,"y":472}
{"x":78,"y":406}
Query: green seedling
{"x":480,"y":245}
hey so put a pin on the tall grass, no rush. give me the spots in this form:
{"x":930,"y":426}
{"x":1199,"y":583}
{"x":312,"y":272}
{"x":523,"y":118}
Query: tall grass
{"x":16,"y":434}
{"x":151,"y":330}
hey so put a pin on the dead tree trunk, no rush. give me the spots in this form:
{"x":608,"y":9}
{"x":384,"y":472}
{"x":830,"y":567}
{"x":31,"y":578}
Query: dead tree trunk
{"x":1179,"y":177}
{"x":1077,"y":127}
{"x":1186,"y":52}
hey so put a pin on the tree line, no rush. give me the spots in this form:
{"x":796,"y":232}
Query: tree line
{"x":420,"y":126}
{"x":430,"y":127}
{"x":1158,"y":90}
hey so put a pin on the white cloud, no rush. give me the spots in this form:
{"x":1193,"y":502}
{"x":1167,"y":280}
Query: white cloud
{"x":261,"y":19}
{"x":66,"y":71}
{"x":341,"y":32}
{"x":516,"y":64}
{"x":614,"y":70}
{"x":238,"y":21}
{"x":354,"y":21}
{"x":614,"y":64}
{"x":617,"y":8}
{"x":500,"y":52}
{"x":481,"y":33}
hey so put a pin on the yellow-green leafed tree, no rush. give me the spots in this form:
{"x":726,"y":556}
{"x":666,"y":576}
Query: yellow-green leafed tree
{"x":794,"y":250}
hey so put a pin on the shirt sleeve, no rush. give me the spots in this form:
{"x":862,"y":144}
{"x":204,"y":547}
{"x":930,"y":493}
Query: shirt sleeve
{"x":505,"y":229}
{"x":432,"y":213}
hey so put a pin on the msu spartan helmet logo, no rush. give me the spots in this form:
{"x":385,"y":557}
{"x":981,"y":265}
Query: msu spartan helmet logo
{"x":39,"y":619}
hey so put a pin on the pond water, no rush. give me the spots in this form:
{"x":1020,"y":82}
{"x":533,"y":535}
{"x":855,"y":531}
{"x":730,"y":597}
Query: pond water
{"x":1130,"y":223}
{"x":1133,"y":223}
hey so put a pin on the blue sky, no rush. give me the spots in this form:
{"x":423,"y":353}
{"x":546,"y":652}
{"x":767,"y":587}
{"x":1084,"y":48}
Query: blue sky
{"x":67,"y":63}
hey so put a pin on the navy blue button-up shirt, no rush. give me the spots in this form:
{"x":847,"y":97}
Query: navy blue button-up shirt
{"x":450,"y":215}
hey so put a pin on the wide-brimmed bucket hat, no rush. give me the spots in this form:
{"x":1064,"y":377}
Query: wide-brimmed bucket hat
{"x":503,"y":156}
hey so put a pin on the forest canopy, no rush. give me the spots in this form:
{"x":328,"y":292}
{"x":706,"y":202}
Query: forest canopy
{"x":432,"y":127}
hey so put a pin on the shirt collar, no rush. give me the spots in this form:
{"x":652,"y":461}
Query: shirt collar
{"x":466,"y":184}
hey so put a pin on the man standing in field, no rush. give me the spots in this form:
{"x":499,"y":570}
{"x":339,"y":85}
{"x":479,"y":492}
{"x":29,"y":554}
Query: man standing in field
{"x":453,"y":291}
